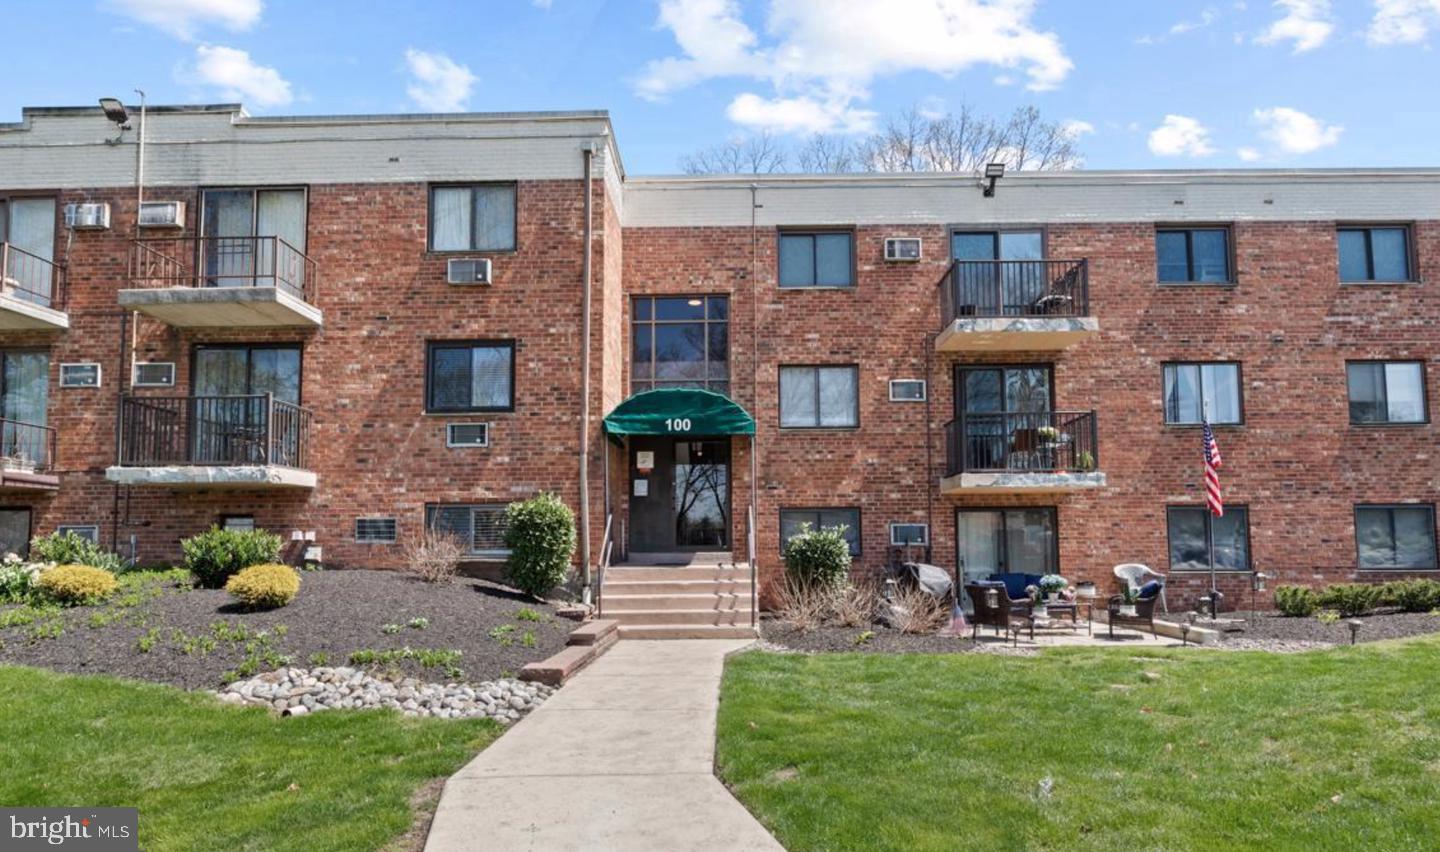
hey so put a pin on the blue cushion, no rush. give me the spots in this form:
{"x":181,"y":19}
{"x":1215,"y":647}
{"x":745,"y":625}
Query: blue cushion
{"x":1015,"y":582}
{"x":1150,"y":589}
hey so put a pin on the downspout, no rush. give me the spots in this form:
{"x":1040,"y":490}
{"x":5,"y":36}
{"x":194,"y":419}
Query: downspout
{"x":754,"y":534}
{"x":587,"y":153}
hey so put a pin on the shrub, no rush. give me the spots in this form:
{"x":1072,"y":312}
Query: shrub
{"x":73,"y":549}
{"x":856,"y":606}
{"x":434,"y":556}
{"x":540,"y":533}
{"x":75,"y":585}
{"x":264,"y":586}
{"x":216,"y":554}
{"x":914,"y":610}
{"x":1413,"y":595}
{"x":802,"y":607}
{"x":1296,"y":601}
{"x":1351,"y":599}
{"x":17,"y":578}
{"x":818,"y":558}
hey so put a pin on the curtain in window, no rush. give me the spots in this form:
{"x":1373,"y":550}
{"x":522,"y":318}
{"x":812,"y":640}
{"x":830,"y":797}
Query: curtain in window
{"x":1404,"y":393}
{"x":32,"y":229}
{"x":26,"y":384}
{"x":494,"y":218}
{"x":838,"y":393}
{"x":450,"y":219}
{"x":1222,"y":392}
{"x":229,"y":222}
{"x":281,"y":213}
{"x":490,"y":377}
{"x":797,"y":396}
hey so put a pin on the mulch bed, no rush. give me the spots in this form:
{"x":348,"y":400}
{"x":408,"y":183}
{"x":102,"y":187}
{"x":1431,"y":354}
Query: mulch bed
{"x":335,"y":614}
{"x":1269,"y":626}
{"x":884,"y":640}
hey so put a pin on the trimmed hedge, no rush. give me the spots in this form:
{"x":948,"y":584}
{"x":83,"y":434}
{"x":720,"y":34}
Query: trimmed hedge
{"x":264,"y":586}
{"x":540,"y":533}
{"x":216,"y":554}
{"x":1351,"y":599}
{"x":1296,"y":601}
{"x":75,"y":585}
{"x":1413,"y":595}
{"x":818,"y":559}
{"x":73,"y":549}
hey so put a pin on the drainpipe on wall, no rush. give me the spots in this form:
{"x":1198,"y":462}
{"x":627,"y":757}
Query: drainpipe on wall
{"x":587,"y":153}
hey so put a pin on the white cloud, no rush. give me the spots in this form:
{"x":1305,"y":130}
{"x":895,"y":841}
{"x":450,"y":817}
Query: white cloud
{"x":1294,"y":132}
{"x":799,"y":115}
{"x":1307,"y":23}
{"x":1075,"y":128}
{"x":238,"y":77}
{"x":438,"y":83}
{"x":181,"y":18}
{"x":541,"y":4}
{"x":1403,"y":21}
{"x":1248,"y":155}
{"x":1180,"y":136}
{"x":1208,"y":16}
{"x":817,"y":53}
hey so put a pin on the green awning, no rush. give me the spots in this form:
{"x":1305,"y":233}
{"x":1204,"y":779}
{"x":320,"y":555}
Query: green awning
{"x":679,"y":411}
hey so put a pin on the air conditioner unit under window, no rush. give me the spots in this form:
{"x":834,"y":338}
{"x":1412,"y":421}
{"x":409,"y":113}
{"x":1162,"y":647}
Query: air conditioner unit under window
{"x":162,"y":214}
{"x":468,"y":271}
{"x":87,"y":217}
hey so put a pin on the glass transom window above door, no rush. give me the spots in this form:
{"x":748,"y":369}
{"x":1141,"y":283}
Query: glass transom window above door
{"x":253,"y":237}
{"x":680,"y":342}
{"x":1000,"y":273}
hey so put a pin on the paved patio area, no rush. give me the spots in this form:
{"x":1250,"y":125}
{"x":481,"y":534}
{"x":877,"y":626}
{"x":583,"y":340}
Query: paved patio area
{"x":622,"y":758}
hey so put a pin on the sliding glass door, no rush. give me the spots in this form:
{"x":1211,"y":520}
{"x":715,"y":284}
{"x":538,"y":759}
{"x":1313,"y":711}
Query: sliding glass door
{"x":235,"y":221}
{"x":28,"y":224}
{"x":1004,"y":541}
{"x":230,"y":417}
{"x":24,"y":397}
{"x":995,"y":402}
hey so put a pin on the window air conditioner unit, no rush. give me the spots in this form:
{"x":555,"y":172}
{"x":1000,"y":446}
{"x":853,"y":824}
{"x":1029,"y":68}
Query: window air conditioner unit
{"x":904,"y":249}
{"x":467,"y":434}
{"x":468,"y":271}
{"x":162,"y":214}
{"x":87,"y":217}
{"x":154,"y":374}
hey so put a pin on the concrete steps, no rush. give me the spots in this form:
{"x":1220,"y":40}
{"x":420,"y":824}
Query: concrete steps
{"x":679,"y":602}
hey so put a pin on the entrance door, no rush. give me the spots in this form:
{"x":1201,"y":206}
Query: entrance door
{"x":15,"y":531}
{"x":682,"y":501}
{"x":1005,"y":541}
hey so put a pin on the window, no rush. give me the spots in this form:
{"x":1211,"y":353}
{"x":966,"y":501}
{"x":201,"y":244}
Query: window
{"x":1395,"y":537}
{"x":480,"y":528}
{"x":1197,"y":537}
{"x":909,"y":534}
{"x":24,"y":400}
{"x":817,"y":260}
{"x":238,"y":523}
{"x":80,"y":375}
{"x":15,"y":531}
{"x":375,"y":530}
{"x":234,"y":218}
{"x":1374,"y":254}
{"x":1386,"y":391}
{"x":1011,"y":287}
{"x":1194,"y":255}
{"x":792,"y":521}
{"x":907,"y":390}
{"x":470,"y":376}
{"x":819,"y":397}
{"x":90,"y":532}
{"x":1198,"y":392}
{"x":680,"y":342}
{"x":472,"y":218}
{"x":28,"y":225}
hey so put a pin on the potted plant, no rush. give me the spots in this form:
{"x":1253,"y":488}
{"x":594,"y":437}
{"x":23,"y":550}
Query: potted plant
{"x":1128,"y":597}
{"x":1038,"y":607}
{"x":1048,"y":434}
{"x":1052,"y":585}
{"x":1085,"y":461}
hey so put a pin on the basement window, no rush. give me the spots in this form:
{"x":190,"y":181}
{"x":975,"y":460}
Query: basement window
{"x":375,"y":530}
{"x":480,"y":527}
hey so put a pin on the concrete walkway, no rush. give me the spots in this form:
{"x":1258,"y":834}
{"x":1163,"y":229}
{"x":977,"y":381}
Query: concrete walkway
{"x":621,"y":758}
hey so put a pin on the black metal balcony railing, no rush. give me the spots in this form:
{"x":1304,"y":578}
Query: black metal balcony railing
{"x":31,"y":277}
{"x":1038,"y":441}
{"x":223,"y":262}
{"x":213,"y":430}
{"x":1014,"y":288}
{"x":26,"y":447}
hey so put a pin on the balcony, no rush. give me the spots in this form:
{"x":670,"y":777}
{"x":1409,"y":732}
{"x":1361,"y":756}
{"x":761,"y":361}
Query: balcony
{"x":1014,"y":305}
{"x":1047,"y":452}
{"x":27,"y":457}
{"x":253,"y":441}
{"x":222,"y":282}
{"x":32,"y":291}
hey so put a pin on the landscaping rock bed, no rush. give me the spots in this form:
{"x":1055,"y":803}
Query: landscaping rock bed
{"x":1270,"y":627}
{"x":467,"y":631}
{"x":881,"y":639}
{"x":296,"y":692}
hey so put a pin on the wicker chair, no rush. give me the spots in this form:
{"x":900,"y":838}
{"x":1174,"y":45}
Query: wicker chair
{"x":1144,"y":614}
{"x":1005,"y":614}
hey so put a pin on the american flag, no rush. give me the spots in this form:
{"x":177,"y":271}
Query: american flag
{"x":1212,"y":473}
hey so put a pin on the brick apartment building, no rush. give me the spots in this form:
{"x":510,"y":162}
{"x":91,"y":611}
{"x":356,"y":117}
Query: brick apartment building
{"x":1013,"y":380}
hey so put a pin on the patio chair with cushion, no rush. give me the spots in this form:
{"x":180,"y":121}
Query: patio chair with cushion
{"x":1144,"y":613}
{"x":1134,"y":576}
{"x":1002,"y":613}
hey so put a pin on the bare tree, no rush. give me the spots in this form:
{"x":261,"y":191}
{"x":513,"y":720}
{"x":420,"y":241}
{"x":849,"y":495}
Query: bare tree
{"x":961,"y":141}
{"x":760,"y":154}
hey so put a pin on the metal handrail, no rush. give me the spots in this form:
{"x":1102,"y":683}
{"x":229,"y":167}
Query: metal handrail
{"x":606,"y":545}
{"x":1014,"y":288}
{"x":30,"y":447}
{"x":204,"y":262}
{"x":250,"y":429}
{"x":750,"y":555}
{"x":1037,"y":441}
{"x":31,"y":277}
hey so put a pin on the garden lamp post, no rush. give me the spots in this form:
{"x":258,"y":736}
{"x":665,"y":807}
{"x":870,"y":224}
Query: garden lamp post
{"x":1354,"y":624}
{"x":1184,"y":633}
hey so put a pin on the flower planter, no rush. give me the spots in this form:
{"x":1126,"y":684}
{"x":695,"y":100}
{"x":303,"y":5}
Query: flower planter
{"x":1128,"y":610}
{"x":1040,"y":611}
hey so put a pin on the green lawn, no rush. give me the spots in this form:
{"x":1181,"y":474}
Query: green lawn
{"x":1155,"y":750}
{"x":211,"y":776}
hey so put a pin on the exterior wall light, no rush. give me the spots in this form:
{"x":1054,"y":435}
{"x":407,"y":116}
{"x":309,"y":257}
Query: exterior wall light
{"x":993,"y":172}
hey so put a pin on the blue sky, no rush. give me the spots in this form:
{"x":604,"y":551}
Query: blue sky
{"x":1145,"y":83}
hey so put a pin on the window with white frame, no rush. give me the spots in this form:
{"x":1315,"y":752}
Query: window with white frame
{"x":907,"y":390}
{"x":909,"y":535}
